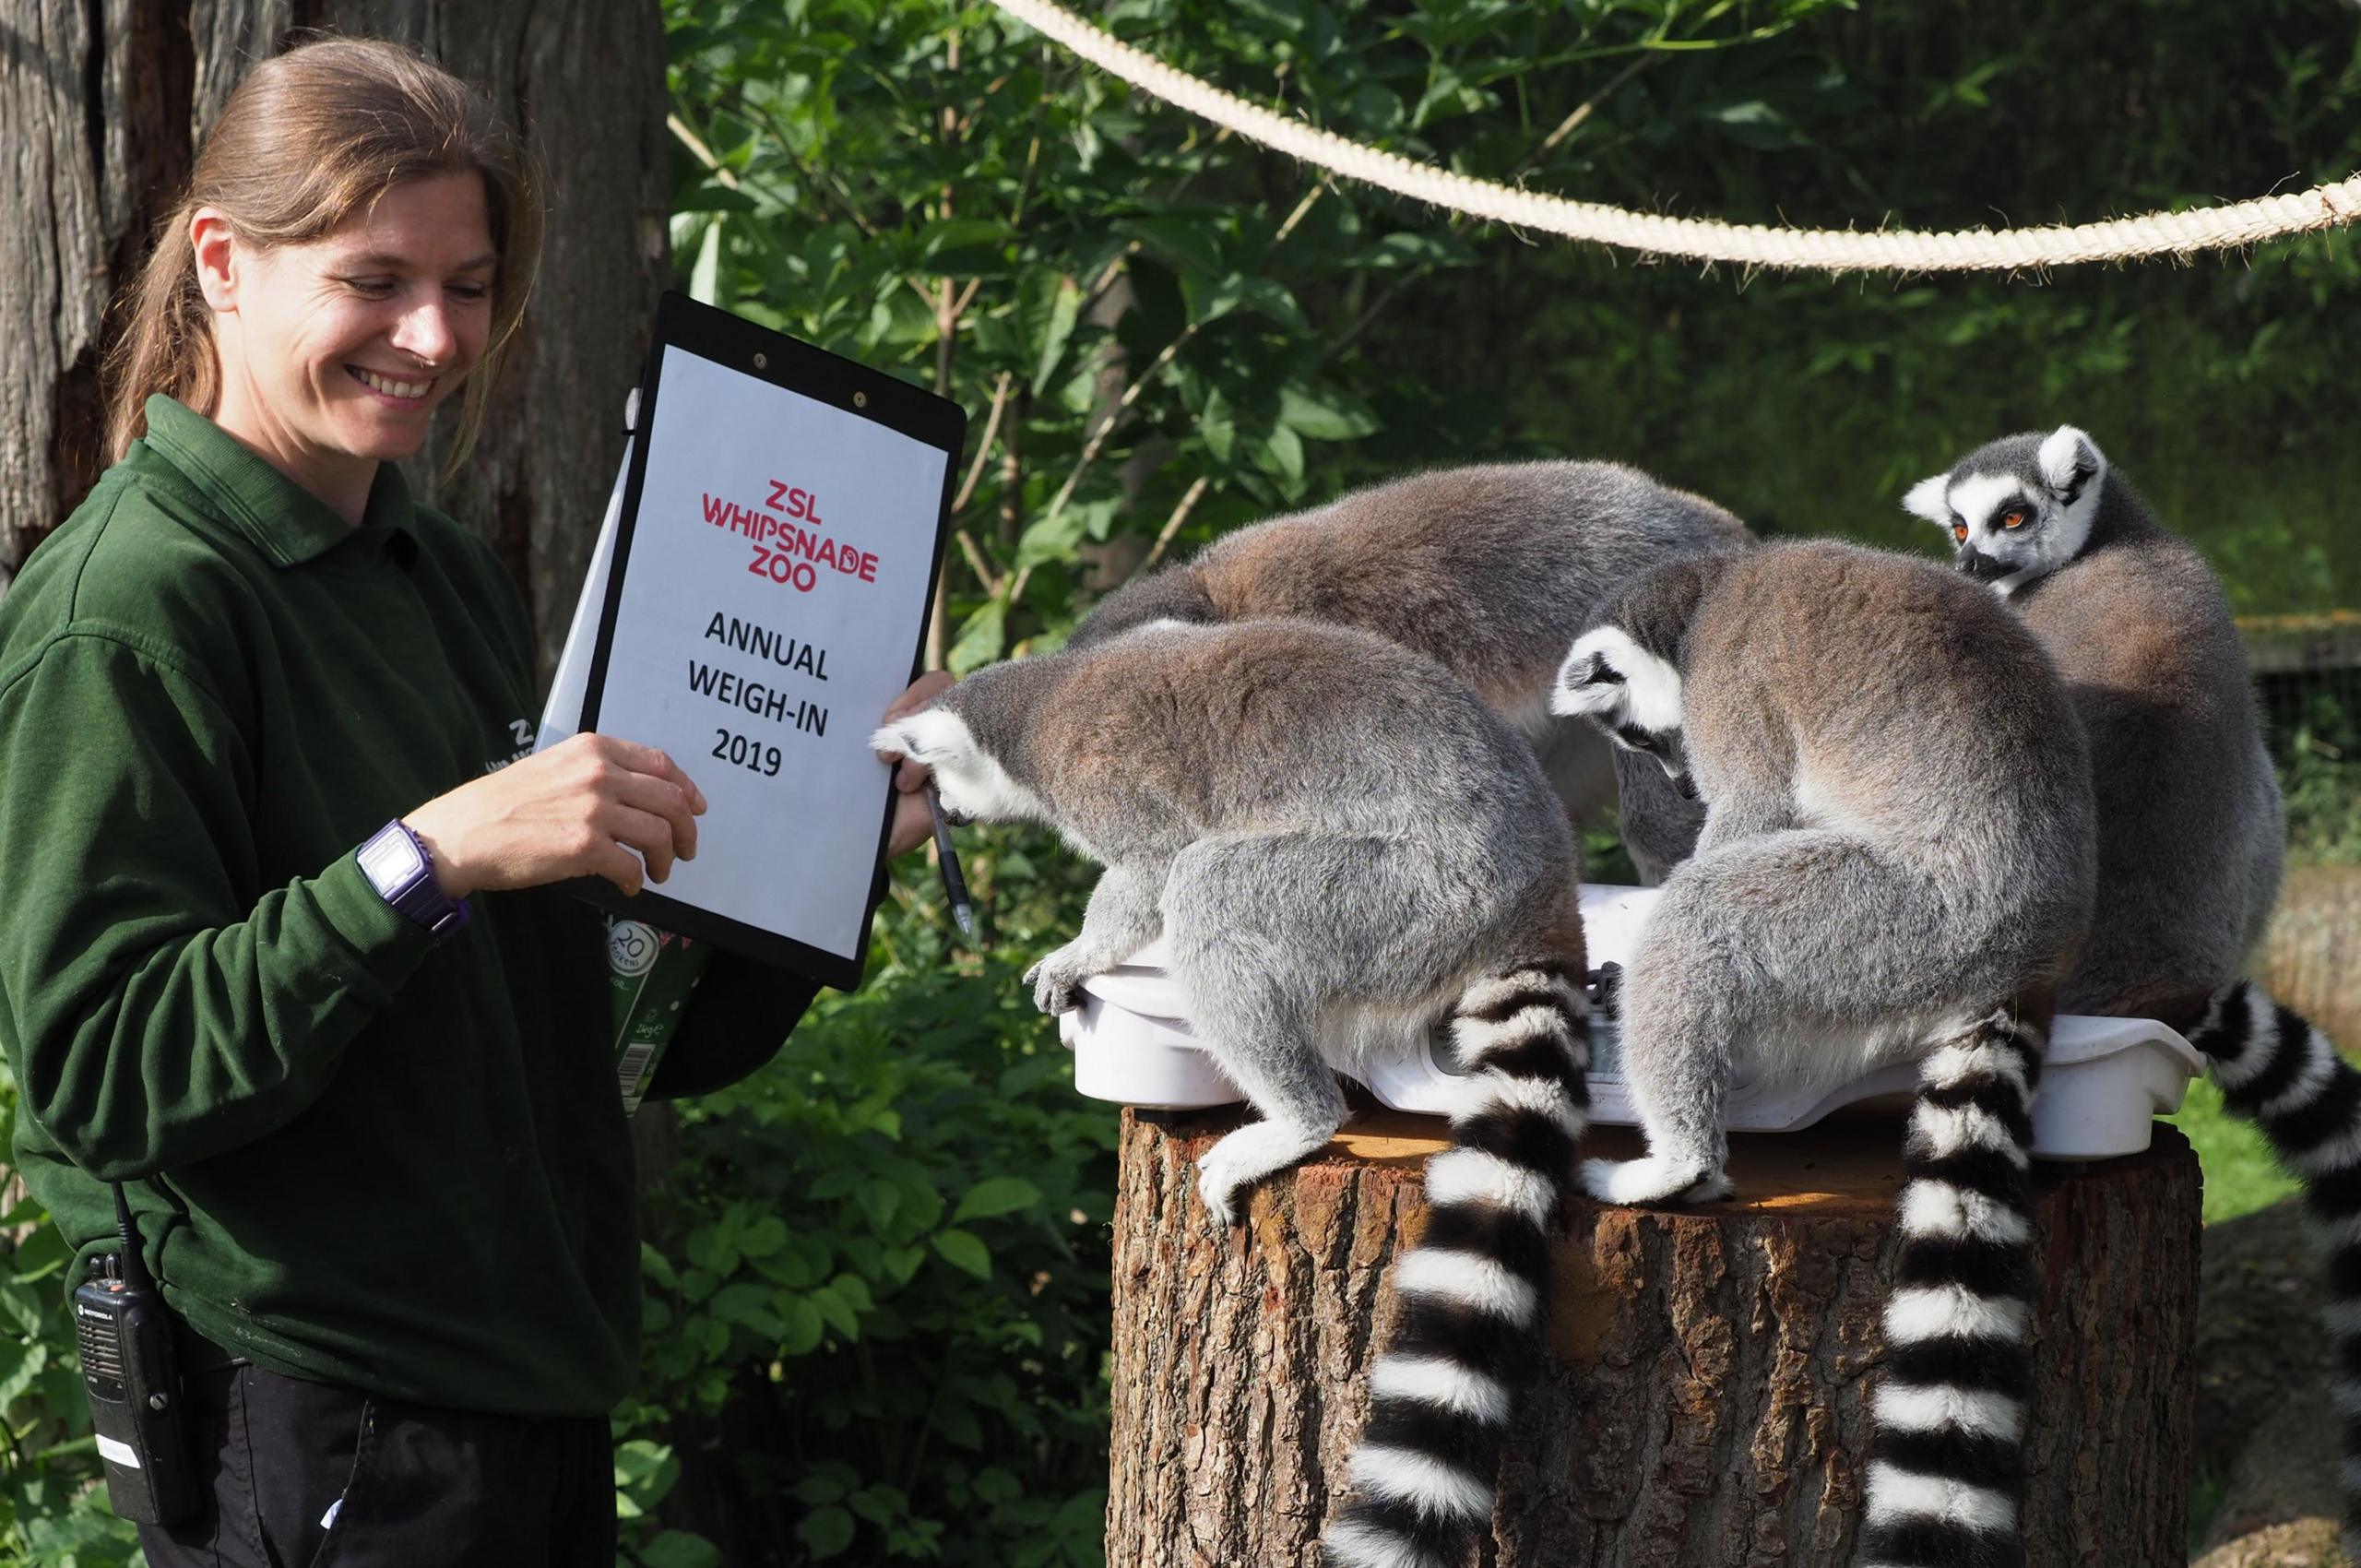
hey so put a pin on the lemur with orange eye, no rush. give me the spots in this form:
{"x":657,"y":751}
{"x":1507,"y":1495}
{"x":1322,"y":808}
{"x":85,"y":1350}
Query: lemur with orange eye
{"x":2190,"y":825}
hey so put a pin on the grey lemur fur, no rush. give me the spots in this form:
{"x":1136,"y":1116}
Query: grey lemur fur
{"x":2190,"y":825}
{"x":1896,"y":865}
{"x":1332,"y":834}
{"x":1489,"y":570}
{"x":2191,"y":830}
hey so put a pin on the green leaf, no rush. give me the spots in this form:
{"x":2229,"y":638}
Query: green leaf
{"x":1065,"y":309}
{"x":837,"y":1312}
{"x":1327,"y":413}
{"x":768,"y":1234}
{"x":878,"y":1200}
{"x":1217,"y":428}
{"x":1051,"y":538}
{"x":995,"y":1195}
{"x":1756,"y":124}
{"x":656,"y":1266}
{"x":855,"y":1291}
{"x":962,"y":246}
{"x":961,"y":1249}
{"x":1185,"y":242}
{"x":982,"y":640}
{"x":749,"y":1306}
{"x":678,"y":1548}
{"x":1209,"y":301}
{"x":711,"y":1249}
{"x":805,"y":1328}
{"x":826,"y":1532}
{"x":704,"y":277}
{"x":1283,"y":455}
{"x":1408,"y":249}
{"x":821,"y":1487}
{"x":638,"y":1459}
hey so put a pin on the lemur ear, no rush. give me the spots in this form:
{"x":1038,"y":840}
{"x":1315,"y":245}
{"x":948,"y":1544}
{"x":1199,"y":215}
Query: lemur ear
{"x":2070,"y":460}
{"x":1930,"y":499}
{"x":932,"y":735}
{"x":1607,"y":675}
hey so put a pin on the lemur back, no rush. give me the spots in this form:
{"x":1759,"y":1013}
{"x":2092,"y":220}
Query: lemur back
{"x":1330,"y":832}
{"x":2191,"y":824}
{"x":1488,"y":570}
{"x":1896,"y":865}
{"x":2190,"y":827}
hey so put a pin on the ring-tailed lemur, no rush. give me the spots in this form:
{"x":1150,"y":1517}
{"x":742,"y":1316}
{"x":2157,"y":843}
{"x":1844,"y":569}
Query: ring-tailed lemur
{"x":2191,"y":830}
{"x":1330,"y":833}
{"x":1488,"y":570}
{"x":1896,"y":865}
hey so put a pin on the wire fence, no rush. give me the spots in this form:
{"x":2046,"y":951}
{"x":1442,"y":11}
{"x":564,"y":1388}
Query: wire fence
{"x":2308,"y":672}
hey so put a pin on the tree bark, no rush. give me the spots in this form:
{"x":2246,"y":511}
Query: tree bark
{"x":1705,"y":1402}
{"x":101,"y":103}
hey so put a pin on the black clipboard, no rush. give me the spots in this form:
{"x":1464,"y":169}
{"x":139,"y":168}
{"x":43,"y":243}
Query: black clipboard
{"x":754,"y":351}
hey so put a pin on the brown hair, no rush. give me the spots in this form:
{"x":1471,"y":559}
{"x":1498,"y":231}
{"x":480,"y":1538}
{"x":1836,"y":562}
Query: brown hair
{"x":309,"y":137}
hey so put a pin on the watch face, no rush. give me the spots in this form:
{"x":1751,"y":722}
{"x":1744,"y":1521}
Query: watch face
{"x":390,"y":861}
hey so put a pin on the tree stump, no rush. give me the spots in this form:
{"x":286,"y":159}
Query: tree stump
{"x":1706,"y":1399}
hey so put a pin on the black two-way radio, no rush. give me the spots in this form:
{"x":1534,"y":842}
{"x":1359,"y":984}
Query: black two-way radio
{"x":126,"y":1335}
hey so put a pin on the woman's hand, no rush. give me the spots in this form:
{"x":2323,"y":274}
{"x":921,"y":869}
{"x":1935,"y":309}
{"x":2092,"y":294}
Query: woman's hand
{"x":912,"y":823}
{"x":578,"y":809}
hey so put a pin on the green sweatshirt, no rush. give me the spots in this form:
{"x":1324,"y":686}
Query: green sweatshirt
{"x":357,"y":1157}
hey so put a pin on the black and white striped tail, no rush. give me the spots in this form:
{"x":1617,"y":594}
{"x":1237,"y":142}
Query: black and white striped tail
{"x":1472,"y":1292}
{"x":1947,"y":1462}
{"x":2281,"y":1073}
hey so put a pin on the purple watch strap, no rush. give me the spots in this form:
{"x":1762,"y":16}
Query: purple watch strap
{"x":414,"y":895}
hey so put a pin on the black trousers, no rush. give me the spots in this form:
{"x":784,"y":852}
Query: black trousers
{"x":304,"y":1475}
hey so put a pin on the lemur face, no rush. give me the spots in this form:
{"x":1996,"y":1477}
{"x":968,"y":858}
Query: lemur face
{"x":1631,"y":695}
{"x":969,"y":780}
{"x":2019,"y":509}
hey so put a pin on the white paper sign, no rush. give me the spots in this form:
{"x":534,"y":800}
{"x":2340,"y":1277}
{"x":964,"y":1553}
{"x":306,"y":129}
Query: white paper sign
{"x":774,"y":578}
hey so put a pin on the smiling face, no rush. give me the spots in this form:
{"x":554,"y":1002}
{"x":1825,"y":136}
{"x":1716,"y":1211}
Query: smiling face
{"x":336,"y":353}
{"x":2017,"y":509}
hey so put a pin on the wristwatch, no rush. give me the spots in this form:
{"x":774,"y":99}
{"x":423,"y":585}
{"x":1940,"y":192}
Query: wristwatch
{"x":396,"y":863}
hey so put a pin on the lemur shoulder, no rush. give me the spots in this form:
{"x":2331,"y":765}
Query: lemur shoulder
{"x":1335,"y":837}
{"x":1489,"y":570}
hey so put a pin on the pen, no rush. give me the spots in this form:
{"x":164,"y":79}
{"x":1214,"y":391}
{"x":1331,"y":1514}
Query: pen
{"x":947,"y":861}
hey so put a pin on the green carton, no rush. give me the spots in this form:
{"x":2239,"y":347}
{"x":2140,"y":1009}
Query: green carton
{"x":651,"y":974}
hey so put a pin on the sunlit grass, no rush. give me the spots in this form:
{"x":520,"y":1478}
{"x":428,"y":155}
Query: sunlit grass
{"x":2240,"y":1175}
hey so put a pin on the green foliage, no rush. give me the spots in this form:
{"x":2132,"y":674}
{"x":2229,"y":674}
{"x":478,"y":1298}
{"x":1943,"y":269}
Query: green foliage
{"x":2213,"y":385}
{"x":2320,"y":773}
{"x":889,"y":1265}
{"x":53,"y":1507}
{"x":1156,"y":323}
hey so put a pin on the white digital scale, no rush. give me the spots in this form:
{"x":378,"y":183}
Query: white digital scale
{"x":2102,"y":1083}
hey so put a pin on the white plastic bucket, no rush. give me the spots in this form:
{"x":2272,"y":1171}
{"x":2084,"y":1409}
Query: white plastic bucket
{"x":2104,"y":1080}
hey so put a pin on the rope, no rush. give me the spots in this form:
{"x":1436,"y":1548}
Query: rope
{"x":1750,"y":244}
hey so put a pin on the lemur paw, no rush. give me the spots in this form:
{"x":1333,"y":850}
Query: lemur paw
{"x":1652,"y":1180}
{"x":1228,"y":1172}
{"x":1056,"y":980}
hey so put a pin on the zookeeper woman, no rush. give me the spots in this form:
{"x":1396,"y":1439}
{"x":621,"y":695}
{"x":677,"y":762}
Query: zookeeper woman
{"x":366,"y":1121}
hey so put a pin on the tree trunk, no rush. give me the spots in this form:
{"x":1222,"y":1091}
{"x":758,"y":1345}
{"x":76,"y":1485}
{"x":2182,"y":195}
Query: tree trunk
{"x":1705,"y":1403}
{"x":100,"y":104}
